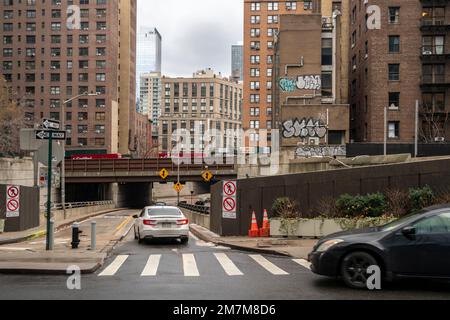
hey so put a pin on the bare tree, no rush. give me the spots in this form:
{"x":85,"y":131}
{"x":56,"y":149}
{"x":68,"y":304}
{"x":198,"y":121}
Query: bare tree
{"x":11,"y":120}
{"x":434,"y":125}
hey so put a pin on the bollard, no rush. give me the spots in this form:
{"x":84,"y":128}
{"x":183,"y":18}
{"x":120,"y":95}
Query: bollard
{"x":93,"y":236}
{"x":75,"y":235}
{"x":51,"y":238}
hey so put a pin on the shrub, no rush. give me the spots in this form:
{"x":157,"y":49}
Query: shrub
{"x":398,"y":202}
{"x":285,"y":208}
{"x":421,"y":198}
{"x":326,"y":207}
{"x":371,"y":205}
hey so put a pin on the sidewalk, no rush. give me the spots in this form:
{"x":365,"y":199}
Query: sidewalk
{"x":30,"y":257}
{"x":297,"y":248}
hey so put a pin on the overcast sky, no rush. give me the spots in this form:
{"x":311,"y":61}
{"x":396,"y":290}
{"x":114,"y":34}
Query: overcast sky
{"x":196,"y":33}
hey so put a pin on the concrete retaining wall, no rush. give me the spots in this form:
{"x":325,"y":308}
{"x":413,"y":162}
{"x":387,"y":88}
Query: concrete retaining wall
{"x":198,"y":218}
{"x":78,"y":212}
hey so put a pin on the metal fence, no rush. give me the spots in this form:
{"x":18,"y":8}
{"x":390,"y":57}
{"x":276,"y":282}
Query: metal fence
{"x":195,"y":208}
{"x":74,"y":205}
{"x":377,"y":149}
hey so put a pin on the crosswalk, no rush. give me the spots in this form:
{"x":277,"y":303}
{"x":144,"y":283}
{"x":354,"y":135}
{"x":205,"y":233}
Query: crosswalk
{"x":190,"y":267}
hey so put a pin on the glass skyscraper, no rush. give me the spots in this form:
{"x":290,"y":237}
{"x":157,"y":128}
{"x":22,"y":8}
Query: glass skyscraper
{"x":237,"y":61}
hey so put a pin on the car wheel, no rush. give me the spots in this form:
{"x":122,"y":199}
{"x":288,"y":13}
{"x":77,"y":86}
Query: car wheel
{"x":140,"y":240}
{"x":354,"y":269}
{"x":135,"y":234}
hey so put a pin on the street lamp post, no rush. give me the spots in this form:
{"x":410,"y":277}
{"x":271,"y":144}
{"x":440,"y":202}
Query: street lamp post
{"x":63,"y":164}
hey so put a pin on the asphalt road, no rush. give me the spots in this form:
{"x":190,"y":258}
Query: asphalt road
{"x":201,"y":271}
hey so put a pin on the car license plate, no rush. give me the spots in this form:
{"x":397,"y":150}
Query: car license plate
{"x":167,"y":225}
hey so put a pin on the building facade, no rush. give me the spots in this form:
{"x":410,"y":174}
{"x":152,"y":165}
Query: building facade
{"x":396,"y":62}
{"x":237,"y":61}
{"x":51,"y":52}
{"x":310,"y":108}
{"x":198,"y":104}
{"x":151,"y":97}
{"x":261,"y":24}
{"x":149,"y":53}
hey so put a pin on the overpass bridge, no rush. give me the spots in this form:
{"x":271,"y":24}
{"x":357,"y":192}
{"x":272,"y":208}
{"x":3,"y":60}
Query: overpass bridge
{"x":129,"y":182}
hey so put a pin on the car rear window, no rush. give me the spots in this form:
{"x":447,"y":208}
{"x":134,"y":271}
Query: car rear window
{"x":163,"y":212}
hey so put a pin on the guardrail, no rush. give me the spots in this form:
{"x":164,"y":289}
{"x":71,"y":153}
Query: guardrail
{"x":195,"y":208}
{"x":75,"y":205}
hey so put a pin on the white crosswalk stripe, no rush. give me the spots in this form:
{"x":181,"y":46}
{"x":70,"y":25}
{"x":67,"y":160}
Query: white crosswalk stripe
{"x":303,"y":263}
{"x":114,"y":266}
{"x":269,"y":266}
{"x":190,"y":266}
{"x":151,"y":268}
{"x":228,"y":265}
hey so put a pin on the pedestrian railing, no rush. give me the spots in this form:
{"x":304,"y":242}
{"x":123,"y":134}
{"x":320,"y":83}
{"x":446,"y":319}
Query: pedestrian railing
{"x":195,"y":208}
{"x":74,"y":205}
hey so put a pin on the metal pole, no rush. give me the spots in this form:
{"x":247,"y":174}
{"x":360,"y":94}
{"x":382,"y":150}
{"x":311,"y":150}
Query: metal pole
{"x":94,"y":236}
{"x":178,"y":179}
{"x":51,"y":235}
{"x":416,"y":137}
{"x":35,"y":169}
{"x":63,"y":164}
{"x":49,"y":189}
{"x":385,"y":131}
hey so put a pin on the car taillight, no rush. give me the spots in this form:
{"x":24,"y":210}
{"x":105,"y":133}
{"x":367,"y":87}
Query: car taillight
{"x":150,"y":222}
{"x":183,"y":222}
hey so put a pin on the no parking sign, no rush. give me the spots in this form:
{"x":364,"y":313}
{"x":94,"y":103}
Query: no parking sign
{"x":12,"y":201}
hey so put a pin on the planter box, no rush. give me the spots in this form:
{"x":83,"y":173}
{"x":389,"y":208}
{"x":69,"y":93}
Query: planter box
{"x":2,"y":225}
{"x":318,"y":228}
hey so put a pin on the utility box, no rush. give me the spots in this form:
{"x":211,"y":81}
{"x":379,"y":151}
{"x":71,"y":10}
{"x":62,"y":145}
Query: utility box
{"x":19,"y":208}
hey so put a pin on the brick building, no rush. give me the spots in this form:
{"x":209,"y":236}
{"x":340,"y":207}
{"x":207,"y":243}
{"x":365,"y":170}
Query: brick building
{"x":393,"y":65}
{"x":48,"y":58}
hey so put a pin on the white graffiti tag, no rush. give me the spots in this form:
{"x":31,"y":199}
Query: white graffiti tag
{"x":308,"y":152}
{"x":309,"y":83}
{"x":306,"y":128}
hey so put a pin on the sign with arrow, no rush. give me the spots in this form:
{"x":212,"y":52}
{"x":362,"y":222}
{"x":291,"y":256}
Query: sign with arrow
{"x":164,"y":174}
{"x":207,"y":176}
{"x":45,"y":135}
{"x":51,"y":124}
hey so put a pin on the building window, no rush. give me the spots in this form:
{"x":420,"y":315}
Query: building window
{"x":291,"y":5}
{"x":327,"y":52}
{"x":394,"y":14}
{"x":394,"y":44}
{"x":394,"y":72}
{"x":394,"y":100}
{"x":272,"y":6}
{"x":255,"y":6}
{"x":394,"y":130}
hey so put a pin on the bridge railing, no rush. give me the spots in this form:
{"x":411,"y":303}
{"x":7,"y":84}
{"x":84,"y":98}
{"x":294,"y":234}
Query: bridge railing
{"x":75,"y":205}
{"x":195,"y":208}
{"x":137,"y":165}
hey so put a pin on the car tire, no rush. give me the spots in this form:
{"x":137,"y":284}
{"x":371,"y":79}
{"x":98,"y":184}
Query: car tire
{"x":354,"y":267}
{"x":135,"y":234}
{"x":140,"y":240}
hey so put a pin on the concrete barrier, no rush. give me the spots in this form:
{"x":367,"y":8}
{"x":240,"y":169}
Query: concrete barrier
{"x":198,"y":218}
{"x":74,"y":213}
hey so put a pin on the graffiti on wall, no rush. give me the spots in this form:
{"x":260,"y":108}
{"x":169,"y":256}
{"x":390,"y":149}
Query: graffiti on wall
{"x":305,"y":128}
{"x":324,"y":151}
{"x":309,"y":82}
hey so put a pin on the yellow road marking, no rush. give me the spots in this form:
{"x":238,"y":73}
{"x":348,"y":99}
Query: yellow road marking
{"x":123,"y":224}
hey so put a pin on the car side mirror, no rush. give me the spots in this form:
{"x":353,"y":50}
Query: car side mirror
{"x":409,"y":232}
{"x":136,"y":216}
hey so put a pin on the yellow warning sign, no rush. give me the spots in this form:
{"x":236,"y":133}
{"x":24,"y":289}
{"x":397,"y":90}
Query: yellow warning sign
{"x":178,"y":187}
{"x":207,"y":176}
{"x":164,"y":174}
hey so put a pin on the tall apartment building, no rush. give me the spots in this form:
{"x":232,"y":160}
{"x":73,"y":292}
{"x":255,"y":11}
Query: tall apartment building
{"x":151,"y":98}
{"x":261,"y":24}
{"x":404,"y":60}
{"x":149,"y":53}
{"x":198,"y":104}
{"x":49,"y":58}
{"x":237,"y":62}
{"x":310,"y":100}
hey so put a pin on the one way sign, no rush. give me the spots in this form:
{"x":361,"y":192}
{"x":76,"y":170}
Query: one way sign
{"x":56,"y":135}
{"x":51,"y":124}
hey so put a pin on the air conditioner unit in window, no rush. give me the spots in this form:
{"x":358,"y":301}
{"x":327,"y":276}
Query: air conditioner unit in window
{"x":85,"y":105}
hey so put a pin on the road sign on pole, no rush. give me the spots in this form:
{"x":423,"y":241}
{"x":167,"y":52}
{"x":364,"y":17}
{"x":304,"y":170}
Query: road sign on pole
{"x":51,"y":124}
{"x":207,"y":176}
{"x":164,"y":174}
{"x":178,"y":187}
{"x":12,"y":202}
{"x":55,"y":135}
{"x":229,"y":204}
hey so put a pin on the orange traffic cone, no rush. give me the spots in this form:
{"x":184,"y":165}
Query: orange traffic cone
{"x":265,"y":230}
{"x":254,"y":231}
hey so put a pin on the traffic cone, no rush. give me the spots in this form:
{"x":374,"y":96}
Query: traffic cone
{"x":265,"y":230}
{"x":254,"y":231}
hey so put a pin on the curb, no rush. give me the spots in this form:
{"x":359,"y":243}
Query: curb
{"x":47,"y":272}
{"x":206,"y":238}
{"x":42,"y":233}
